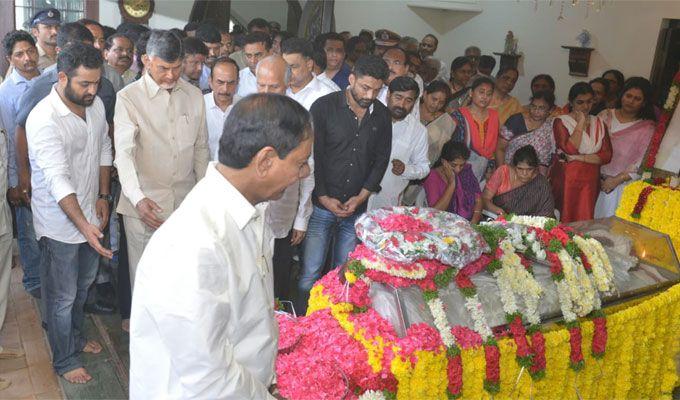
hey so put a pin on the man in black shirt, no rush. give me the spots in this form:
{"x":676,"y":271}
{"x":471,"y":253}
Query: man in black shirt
{"x":352,"y":144}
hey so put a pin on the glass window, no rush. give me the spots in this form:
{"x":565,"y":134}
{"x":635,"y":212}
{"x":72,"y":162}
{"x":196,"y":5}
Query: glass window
{"x":71,"y":10}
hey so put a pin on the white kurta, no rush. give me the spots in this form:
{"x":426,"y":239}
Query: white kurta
{"x":409,"y":145}
{"x":294,"y":208}
{"x":202,"y":323}
{"x":215,"y":118}
{"x":247,"y":82}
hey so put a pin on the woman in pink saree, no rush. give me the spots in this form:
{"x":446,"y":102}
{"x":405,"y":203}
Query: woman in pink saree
{"x":631,"y":126}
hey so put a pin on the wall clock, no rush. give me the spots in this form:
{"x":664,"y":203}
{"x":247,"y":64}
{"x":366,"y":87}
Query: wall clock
{"x":138,"y":11}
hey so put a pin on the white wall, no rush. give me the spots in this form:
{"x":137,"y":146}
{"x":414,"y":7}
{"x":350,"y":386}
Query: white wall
{"x":624,"y":33}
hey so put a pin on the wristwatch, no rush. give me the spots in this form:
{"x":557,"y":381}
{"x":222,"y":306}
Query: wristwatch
{"x":106,"y":197}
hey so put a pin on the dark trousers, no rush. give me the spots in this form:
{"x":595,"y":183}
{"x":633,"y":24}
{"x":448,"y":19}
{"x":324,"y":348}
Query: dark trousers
{"x":124,"y":290}
{"x":66,"y":272}
{"x":283,"y":267}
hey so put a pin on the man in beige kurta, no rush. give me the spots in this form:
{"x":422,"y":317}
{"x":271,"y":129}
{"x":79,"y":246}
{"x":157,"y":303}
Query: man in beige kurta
{"x":161,"y":143}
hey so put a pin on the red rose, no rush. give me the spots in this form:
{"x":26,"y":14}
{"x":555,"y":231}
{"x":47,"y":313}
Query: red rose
{"x":455,"y":374}
{"x":599,"y":336}
{"x":492,"y":356}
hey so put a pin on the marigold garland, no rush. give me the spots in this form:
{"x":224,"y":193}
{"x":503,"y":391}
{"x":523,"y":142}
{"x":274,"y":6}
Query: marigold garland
{"x":429,"y":363}
{"x":662,"y":212}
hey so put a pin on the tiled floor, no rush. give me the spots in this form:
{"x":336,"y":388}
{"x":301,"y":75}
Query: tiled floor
{"x":32,"y":375}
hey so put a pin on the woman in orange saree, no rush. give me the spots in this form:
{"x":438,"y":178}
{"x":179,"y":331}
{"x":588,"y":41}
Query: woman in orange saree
{"x":478,"y":126}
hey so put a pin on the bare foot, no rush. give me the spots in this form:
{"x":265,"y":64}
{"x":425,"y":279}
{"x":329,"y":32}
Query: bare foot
{"x":125,"y":325}
{"x":78,"y":375}
{"x":92,"y":347}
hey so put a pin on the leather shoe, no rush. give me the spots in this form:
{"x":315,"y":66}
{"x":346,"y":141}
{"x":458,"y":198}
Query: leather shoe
{"x":99,"y":308}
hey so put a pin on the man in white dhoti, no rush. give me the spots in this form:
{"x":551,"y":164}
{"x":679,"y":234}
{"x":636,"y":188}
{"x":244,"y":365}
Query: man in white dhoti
{"x":202,"y":321}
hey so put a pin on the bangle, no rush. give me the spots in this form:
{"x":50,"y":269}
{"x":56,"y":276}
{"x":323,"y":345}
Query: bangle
{"x":476,"y":212}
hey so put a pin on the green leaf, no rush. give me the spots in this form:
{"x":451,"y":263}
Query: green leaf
{"x":494,"y":266}
{"x":550,"y":223}
{"x":573,"y":249}
{"x":555,"y":246}
{"x":468,"y":292}
{"x":443,"y":279}
{"x":430,"y":295}
{"x":452,"y":351}
{"x":356,"y":267}
{"x":389,"y":395}
{"x":492,"y":234}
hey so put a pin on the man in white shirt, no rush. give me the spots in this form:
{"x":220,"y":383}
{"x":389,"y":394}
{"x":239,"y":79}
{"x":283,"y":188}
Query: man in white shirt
{"x":257,"y":46}
{"x":303,"y":87}
{"x":70,"y":155}
{"x":203,"y":321}
{"x":161,"y":143}
{"x":219,"y":102}
{"x":408,"y":159}
{"x":288,"y":216}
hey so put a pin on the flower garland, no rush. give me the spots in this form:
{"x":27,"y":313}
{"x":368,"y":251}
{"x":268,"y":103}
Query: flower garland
{"x":639,"y":366}
{"x":480,"y":325}
{"x":597,"y":261}
{"x":661,"y":126}
{"x":421,"y":273}
{"x":641,"y":202}
{"x":369,"y":359}
{"x":513,"y":276}
{"x":580,"y":268}
{"x":661,"y":213}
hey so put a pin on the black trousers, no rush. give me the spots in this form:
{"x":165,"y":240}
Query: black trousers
{"x":283,"y":267}
{"x":124,"y":290}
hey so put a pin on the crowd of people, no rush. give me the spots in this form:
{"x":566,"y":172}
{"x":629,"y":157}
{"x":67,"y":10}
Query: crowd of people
{"x":110,"y":131}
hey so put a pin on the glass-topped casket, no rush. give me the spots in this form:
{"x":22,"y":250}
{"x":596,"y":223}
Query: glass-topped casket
{"x":644,"y":262}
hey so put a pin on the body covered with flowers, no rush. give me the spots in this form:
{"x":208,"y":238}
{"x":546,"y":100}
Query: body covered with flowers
{"x":344,"y":348}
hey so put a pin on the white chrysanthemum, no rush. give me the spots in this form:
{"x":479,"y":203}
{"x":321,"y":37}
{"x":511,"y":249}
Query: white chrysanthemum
{"x":440,"y":322}
{"x":474,"y":307}
{"x":537,"y":222}
{"x":372,"y":395}
{"x":416,"y":274}
{"x":565,"y":301}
